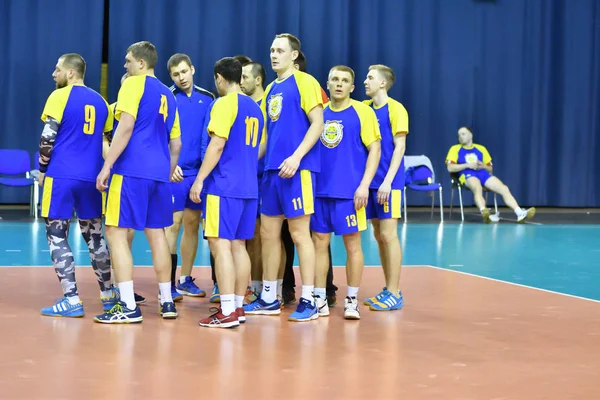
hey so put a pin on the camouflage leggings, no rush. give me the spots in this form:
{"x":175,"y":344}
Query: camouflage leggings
{"x":57,"y":233}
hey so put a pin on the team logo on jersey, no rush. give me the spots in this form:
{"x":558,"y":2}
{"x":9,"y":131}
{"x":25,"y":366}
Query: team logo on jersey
{"x":471,"y":158}
{"x":274,"y":106}
{"x":332,"y":134}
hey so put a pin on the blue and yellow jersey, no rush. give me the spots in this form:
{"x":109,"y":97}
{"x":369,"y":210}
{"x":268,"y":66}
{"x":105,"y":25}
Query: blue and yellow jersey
{"x":459,"y":154}
{"x":261,"y":162}
{"x":344,"y":141}
{"x":393,"y":120}
{"x":156,"y":122}
{"x":192,"y":112}
{"x":83,"y":117}
{"x":113,"y":109}
{"x":238,"y":119}
{"x":286,"y":105}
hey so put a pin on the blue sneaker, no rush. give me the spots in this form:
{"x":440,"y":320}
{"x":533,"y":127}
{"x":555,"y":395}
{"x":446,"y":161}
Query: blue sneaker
{"x":215,"y":297}
{"x":110,"y":302}
{"x":120,"y":314}
{"x":175,"y":295}
{"x":138,"y":298}
{"x":304,"y":312}
{"x":189,"y":288}
{"x":62,"y":308}
{"x":388,"y":302}
{"x":259,"y":307}
{"x":380,"y":295}
{"x":167,"y":310}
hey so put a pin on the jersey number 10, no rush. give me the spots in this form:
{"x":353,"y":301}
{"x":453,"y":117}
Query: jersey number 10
{"x":90,"y":120}
{"x":251,"y":131}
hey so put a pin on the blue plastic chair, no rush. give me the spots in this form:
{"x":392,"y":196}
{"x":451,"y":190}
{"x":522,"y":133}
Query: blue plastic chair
{"x":421,"y":179}
{"x":14,"y":163}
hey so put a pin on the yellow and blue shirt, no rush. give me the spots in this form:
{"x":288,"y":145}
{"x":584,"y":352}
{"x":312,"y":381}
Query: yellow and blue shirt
{"x":193,"y":112}
{"x":83,"y":117}
{"x":393,"y":120}
{"x":154,"y":108}
{"x":238,"y":119}
{"x":344,"y":141}
{"x":459,"y":154}
{"x":286,"y":105}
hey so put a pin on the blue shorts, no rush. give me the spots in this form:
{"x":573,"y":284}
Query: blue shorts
{"x":391,"y":209}
{"x":228,"y":218}
{"x":292,"y":197}
{"x":181,"y":194}
{"x":481,"y":174}
{"x":139,"y":203}
{"x":61,"y":195}
{"x":338,"y":216}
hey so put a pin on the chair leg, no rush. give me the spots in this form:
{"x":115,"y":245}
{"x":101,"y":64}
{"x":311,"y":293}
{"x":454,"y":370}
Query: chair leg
{"x":432,"y":204}
{"x":404,"y":203}
{"x":462,"y":212}
{"x":451,"y":201}
{"x":495,"y":203}
{"x":441,"y":206}
{"x":36,"y":199}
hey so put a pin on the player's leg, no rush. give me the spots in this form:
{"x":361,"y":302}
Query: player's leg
{"x":321,"y":227}
{"x":497,"y":186}
{"x":172,"y":235}
{"x":241,"y":259}
{"x":57,"y":208}
{"x":271,"y":220}
{"x":355,"y":264}
{"x":255,"y":253}
{"x":289,"y":279}
{"x":331,"y":288}
{"x":474,"y":185}
{"x":189,"y":247}
{"x":388,"y":241}
{"x":281,"y":272}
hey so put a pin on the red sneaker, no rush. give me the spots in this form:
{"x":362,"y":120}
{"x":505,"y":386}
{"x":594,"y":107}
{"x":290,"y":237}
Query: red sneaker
{"x":241,"y":314}
{"x":218,"y":320}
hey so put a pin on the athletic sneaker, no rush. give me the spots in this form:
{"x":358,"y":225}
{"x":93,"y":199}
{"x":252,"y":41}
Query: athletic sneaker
{"x":388,"y":302}
{"x":218,"y":320}
{"x":304,"y":312}
{"x":189,"y":288}
{"x":259,"y":307}
{"x":120,"y":314}
{"x":109,"y":302}
{"x":351,"y":308}
{"x":215,"y":297}
{"x":175,"y":295}
{"x":371,"y":300}
{"x":485,"y":215}
{"x":62,"y":308}
{"x":241,"y":314}
{"x":527,"y":214}
{"x":322,"y":306}
{"x":138,"y":298}
{"x":167,"y":310}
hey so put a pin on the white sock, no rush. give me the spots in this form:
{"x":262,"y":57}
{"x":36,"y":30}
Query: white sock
{"x":239,"y":301}
{"x":182,"y":278}
{"x":127,"y":297}
{"x":352,"y":291}
{"x":280,"y":287}
{"x":227,"y":304}
{"x":307,"y":293}
{"x":269,"y":293}
{"x":106,"y":293}
{"x":73,"y":300}
{"x":519,"y":211}
{"x":256,"y":286}
{"x":165,"y":292}
{"x":321,"y":293}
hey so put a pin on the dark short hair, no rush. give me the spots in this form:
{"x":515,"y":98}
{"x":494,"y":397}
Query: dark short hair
{"x":229,"y":68}
{"x":177,"y":59}
{"x":76,"y":62}
{"x":258,"y":70}
{"x":144,"y":51}
{"x":301,"y":61}
{"x":293,"y":40}
{"x":243,"y":60}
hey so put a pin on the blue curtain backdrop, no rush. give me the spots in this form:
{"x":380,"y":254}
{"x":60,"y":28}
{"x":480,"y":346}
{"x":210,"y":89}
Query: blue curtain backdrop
{"x":33,"y":34}
{"x":524,"y":74}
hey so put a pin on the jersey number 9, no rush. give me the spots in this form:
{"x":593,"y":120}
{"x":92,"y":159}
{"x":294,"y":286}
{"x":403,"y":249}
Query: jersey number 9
{"x":90,"y":120}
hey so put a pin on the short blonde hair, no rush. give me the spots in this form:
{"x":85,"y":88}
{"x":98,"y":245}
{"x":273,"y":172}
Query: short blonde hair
{"x":342,"y":68}
{"x":386,"y":73}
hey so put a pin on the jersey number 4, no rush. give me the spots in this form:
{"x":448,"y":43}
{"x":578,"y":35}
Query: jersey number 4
{"x":251,"y":131}
{"x":90,"y":120}
{"x":164,"y":107}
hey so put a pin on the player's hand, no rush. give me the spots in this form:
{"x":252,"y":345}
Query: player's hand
{"x":361,"y":197}
{"x":195,"y":191}
{"x":41,"y":179}
{"x":472,"y":165}
{"x":383,"y":193}
{"x":289,"y":166}
{"x":480,"y":165}
{"x":102,"y":179}
{"x":177,"y":175}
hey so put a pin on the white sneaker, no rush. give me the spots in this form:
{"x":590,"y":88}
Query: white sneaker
{"x":351,"y":308}
{"x":322,"y":306}
{"x":527,"y":214}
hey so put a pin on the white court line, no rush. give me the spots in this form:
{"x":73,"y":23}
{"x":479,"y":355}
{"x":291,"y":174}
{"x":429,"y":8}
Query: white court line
{"x":13,"y":251}
{"x":515,"y":284}
{"x":456,"y":265}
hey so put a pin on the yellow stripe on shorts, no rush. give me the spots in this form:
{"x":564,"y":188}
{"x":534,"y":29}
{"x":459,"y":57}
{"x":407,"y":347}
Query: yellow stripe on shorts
{"x":47,"y":196}
{"x":361,"y":216}
{"x":396,"y":196}
{"x":308,"y":198}
{"x":113,"y":208}
{"x":213,"y":212}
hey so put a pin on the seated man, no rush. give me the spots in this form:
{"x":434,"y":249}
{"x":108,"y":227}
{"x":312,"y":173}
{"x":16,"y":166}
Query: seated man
{"x":473,"y":164}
